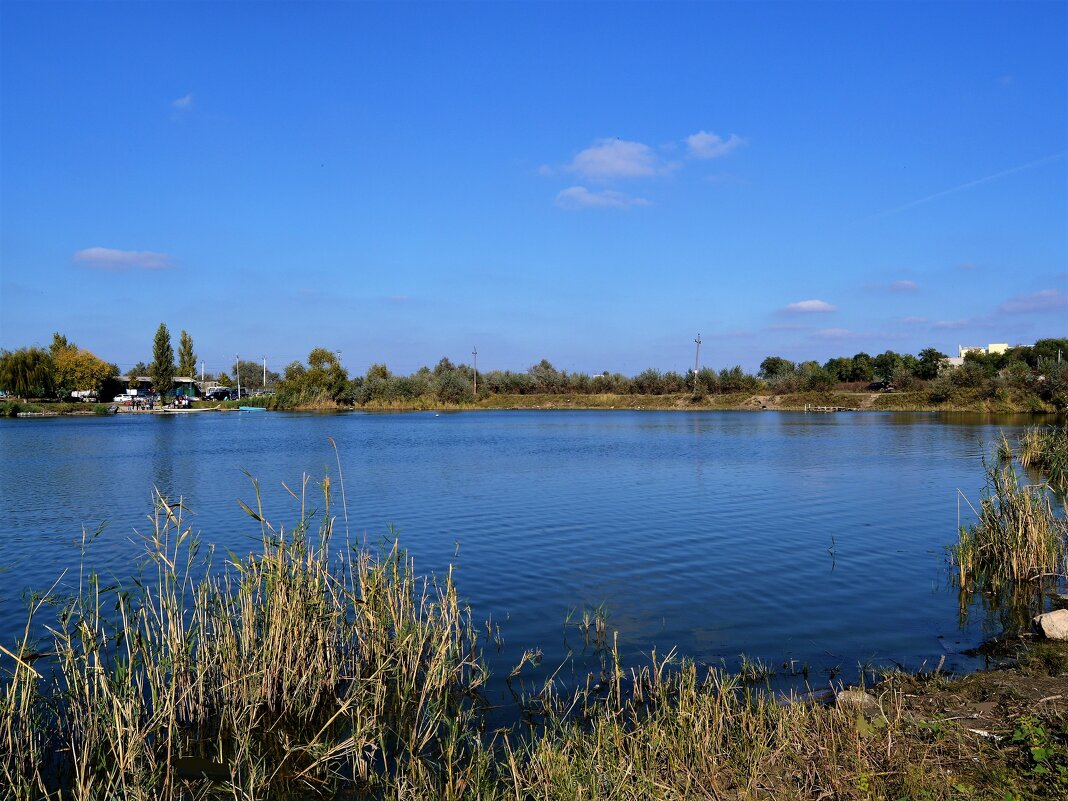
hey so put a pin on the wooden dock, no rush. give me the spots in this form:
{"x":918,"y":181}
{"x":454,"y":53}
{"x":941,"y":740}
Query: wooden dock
{"x":828,"y":409}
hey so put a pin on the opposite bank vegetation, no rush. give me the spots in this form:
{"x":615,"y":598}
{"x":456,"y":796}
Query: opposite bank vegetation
{"x":1026,"y":378}
{"x":314,"y":669}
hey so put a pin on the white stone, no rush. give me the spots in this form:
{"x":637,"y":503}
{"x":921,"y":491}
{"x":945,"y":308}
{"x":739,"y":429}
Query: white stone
{"x":1053,"y":625}
{"x":857,"y":699}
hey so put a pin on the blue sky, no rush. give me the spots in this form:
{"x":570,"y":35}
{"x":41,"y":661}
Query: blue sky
{"x":589,"y":183}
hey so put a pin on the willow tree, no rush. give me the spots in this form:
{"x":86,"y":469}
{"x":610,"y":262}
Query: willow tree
{"x":27,"y":373}
{"x":161,"y":370}
{"x":187,"y":359}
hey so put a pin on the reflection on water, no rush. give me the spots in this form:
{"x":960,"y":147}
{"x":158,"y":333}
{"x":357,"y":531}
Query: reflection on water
{"x":785,"y":536}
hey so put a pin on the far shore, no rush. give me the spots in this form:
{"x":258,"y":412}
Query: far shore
{"x":978,"y":401}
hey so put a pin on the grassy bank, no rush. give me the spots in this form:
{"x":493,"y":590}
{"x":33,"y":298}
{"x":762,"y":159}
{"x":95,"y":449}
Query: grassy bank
{"x":313,"y":669}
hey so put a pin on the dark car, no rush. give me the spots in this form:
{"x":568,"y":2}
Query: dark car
{"x":219,"y":394}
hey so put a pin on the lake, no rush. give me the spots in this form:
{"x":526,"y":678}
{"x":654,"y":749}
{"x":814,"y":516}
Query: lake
{"x":818,"y":538}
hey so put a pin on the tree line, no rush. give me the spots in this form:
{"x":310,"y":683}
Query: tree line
{"x":321,"y":379}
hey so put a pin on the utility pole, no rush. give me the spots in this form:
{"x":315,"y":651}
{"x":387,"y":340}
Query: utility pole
{"x":696,"y":362}
{"x":474,"y":354}
{"x":338,"y":352}
{"x":201,"y":371}
{"x":265,"y":372}
{"x":237,"y":371}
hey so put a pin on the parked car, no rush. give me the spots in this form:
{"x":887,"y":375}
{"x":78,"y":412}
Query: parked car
{"x":218,"y":394}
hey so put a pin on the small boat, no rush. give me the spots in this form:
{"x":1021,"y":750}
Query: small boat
{"x":251,"y":409}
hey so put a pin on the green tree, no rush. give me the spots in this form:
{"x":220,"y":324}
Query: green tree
{"x":161,"y":370}
{"x":886,"y":363}
{"x":187,"y":359}
{"x":775,"y":366}
{"x":930,"y":362}
{"x":546,"y":377}
{"x":251,"y":375}
{"x":863,"y":369}
{"x":27,"y":373}
{"x":841,"y":368}
{"x":452,"y":387}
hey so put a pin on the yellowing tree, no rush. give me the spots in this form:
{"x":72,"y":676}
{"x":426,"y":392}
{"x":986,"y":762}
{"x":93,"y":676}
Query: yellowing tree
{"x":78,"y":369}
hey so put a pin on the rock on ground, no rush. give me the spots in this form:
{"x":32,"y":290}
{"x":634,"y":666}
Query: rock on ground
{"x":1053,"y":625}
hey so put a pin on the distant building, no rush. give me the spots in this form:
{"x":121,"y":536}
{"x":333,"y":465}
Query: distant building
{"x":994,"y":347}
{"x":142,"y":385}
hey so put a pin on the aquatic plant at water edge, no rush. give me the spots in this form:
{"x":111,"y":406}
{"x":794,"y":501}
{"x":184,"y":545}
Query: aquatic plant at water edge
{"x":1046,"y":449}
{"x":1017,"y":538}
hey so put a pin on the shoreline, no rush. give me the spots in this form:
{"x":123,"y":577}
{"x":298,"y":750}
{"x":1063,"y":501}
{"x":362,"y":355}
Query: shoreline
{"x":842,"y":402}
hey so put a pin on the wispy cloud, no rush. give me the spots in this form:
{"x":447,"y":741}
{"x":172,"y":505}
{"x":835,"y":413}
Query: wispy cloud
{"x":579,"y":197}
{"x":608,"y":159}
{"x":810,"y":307}
{"x":967,"y":267}
{"x":914,"y":320}
{"x":894,"y":286}
{"x":1042,"y":301}
{"x":182,"y":103}
{"x":952,"y":325}
{"x":971,"y":184}
{"x":705,"y":145}
{"x":904,"y":286}
{"x":112,"y":259}
{"x":834,"y":334}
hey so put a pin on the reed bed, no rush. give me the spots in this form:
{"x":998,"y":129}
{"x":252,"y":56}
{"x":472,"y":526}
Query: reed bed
{"x":1017,"y":538}
{"x":286,"y":672}
{"x":1046,"y":449}
{"x":313,"y":669}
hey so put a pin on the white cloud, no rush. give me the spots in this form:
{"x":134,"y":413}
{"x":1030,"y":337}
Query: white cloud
{"x":834,"y":333}
{"x":704,"y":145}
{"x":951,"y":325}
{"x":577,"y":197}
{"x":606,"y":159}
{"x":914,"y":320}
{"x":1042,"y":301}
{"x":810,"y":306}
{"x":112,"y":259}
{"x":183,"y":103}
{"x":904,"y":286}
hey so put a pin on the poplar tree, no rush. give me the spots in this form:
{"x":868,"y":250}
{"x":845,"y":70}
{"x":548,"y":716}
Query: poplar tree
{"x":187,"y":360}
{"x":162,"y":368}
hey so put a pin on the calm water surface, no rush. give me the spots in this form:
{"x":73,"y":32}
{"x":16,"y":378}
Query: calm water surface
{"x":818,"y":538}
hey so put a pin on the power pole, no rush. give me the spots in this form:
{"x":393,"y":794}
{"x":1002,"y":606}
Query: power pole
{"x":696,"y":362}
{"x":201,"y":371}
{"x":265,"y":372}
{"x":237,"y":370}
{"x":474,"y":354}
